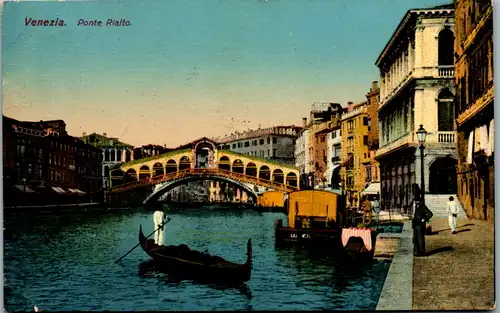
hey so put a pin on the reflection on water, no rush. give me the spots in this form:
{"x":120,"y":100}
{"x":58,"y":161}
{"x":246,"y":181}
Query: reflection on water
{"x":148,"y":269}
{"x":66,"y":262}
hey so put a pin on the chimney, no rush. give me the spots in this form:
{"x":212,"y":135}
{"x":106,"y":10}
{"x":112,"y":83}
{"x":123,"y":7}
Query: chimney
{"x":304,"y":122}
{"x":104,"y":134}
{"x":84,"y":133}
{"x":374,"y":85}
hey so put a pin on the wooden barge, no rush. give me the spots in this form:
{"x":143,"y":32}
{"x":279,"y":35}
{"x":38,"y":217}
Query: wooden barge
{"x":319,"y":218}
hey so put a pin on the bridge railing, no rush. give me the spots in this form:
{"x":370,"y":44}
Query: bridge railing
{"x":209,"y":171}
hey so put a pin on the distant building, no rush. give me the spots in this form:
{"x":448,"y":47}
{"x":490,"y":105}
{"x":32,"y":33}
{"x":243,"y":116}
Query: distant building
{"x":301,"y":153}
{"x":475,"y":107}
{"x":354,"y":148}
{"x":47,"y":164}
{"x":23,"y":154}
{"x":417,"y":88}
{"x":324,"y":149}
{"x":333,"y":157}
{"x":359,"y":169}
{"x":150,"y":150}
{"x":114,"y":152}
{"x":273,"y":143}
{"x":324,"y":118}
{"x":371,"y":165}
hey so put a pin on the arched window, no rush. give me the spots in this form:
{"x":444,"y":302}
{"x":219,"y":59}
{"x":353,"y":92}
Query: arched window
{"x":445,"y":47}
{"x":446,"y":110}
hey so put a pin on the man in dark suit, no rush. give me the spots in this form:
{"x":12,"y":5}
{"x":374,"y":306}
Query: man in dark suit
{"x":420,"y":217}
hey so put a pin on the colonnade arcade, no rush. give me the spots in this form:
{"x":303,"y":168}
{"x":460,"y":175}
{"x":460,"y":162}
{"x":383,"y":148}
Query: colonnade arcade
{"x":119,"y":155}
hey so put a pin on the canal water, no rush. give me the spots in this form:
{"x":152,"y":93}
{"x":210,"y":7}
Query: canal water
{"x":65,"y":262}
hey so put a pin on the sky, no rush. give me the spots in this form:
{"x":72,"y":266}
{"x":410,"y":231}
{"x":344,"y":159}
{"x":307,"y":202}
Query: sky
{"x":187,"y":69}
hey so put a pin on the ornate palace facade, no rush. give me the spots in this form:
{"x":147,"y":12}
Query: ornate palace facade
{"x":417,"y":87}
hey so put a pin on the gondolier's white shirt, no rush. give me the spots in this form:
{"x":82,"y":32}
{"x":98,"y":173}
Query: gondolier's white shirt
{"x":158,"y":218}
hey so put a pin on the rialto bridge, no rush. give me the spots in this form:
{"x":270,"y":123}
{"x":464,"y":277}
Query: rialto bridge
{"x":201,"y":160}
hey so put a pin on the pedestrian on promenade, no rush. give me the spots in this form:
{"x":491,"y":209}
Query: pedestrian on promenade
{"x":376,"y":209}
{"x":159,"y":219}
{"x":420,"y":217}
{"x":367,"y":211}
{"x":452,"y":210}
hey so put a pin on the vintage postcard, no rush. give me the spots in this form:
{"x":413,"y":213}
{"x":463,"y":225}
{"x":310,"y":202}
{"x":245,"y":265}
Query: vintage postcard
{"x":201,"y":155}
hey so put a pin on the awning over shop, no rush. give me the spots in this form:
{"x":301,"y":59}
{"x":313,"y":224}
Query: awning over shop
{"x":328,"y":173}
{"x":372,"y":189}
{"x":77,"y":191}
{"x":24,"y":188}
{"x":59,"y":190}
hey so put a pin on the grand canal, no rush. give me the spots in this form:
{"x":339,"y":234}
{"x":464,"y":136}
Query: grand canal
{"x":64,"y":262}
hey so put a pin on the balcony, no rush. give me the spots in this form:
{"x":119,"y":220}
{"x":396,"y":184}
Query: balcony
{"x":398,"y":143}
{"x":479,"y":104}
{"x":356,"y":111}
{"x":446,"y":137}
{"x":441,"y":138}
{"x":446,"y":71}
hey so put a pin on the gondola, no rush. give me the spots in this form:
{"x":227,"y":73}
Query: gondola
{"x":181,"y":259}
{"x":355,"y":250}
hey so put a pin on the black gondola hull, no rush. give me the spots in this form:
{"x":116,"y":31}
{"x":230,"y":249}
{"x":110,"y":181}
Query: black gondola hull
{"x":182,"y":260}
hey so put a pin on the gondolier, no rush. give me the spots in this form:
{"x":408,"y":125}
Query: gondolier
{"x":159,"y":219}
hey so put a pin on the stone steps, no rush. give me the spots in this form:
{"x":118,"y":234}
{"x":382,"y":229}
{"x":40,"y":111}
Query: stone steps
{"x":437,"y":204}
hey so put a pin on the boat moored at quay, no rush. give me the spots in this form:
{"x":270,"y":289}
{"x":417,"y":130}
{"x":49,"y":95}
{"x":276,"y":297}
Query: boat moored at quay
{"x":318,"y":218}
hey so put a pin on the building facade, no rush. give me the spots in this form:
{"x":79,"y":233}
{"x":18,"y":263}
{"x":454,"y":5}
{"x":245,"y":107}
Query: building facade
{"x":273,"y":143}
{"x":417,"y":88}
{"x":48,"y":165}
{"x":324,"y":116}
{"x":354,"y":151}
{"x":147,"y":151}
{"x":475,"y":107}
{"x":334,"y":151}
{"x":114,"y":152}
{"x":24,"y":163}
{"x":301,"y":155}
{"x":372,"y":167}
{"x":320,"y":153}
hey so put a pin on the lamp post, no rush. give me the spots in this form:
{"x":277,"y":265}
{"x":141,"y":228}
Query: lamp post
{"x":421,"y":135}
{"x":24,"y":182}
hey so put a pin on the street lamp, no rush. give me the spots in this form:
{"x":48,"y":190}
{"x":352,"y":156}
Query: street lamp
{"x":24,"y":182}
{"x":421,"y":136}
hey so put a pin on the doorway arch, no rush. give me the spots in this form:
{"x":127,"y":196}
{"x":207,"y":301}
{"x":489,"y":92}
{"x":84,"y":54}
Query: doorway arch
{"x":443,"y":176}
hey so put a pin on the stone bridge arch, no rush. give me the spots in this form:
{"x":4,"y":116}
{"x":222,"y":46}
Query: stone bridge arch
{"x":158,"y":192}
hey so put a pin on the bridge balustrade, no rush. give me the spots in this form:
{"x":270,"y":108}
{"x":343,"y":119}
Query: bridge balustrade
{"x":210,"y":171}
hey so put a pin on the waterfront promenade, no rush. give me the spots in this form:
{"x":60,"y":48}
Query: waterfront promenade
{"x":458,"y":273}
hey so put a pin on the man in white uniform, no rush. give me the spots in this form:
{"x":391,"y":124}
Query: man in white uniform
{"x":452,"y":210}
{"x":159,"y":219}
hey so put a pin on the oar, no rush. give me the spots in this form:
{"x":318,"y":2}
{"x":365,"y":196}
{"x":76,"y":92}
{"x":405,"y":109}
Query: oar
{"x":168,"y":220}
